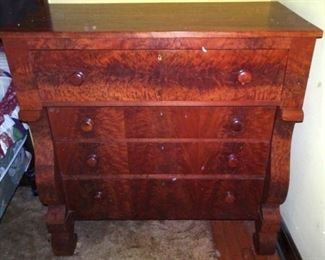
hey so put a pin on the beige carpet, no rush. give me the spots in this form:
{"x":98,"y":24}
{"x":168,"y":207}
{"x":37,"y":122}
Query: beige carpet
{"x":23,"y":236}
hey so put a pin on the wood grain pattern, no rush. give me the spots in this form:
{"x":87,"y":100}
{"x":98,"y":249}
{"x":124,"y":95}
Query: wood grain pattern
{"x":27,"y":93}
{"x":47,"y":178}
{"x":143,"y":158}
{"x":279,"y":167}
{"x":163,"y":198}
{"x":275,"y":192}
{"x":112,"y":158}
{"x":197,"y":158}
{"x":107,"y":123}
{"x":152,"y":118}
{"x":162,"y":122}
{"x":219,"y":122}
{"x":111,"y":123}
{"x":215,"y":75}
{"x":165,"y":42}
{"x":163,"y":158}
{"x":214,"y":158}
{"x":159,"y":75}
{"x":300,"y":55}
{"x":198,"y":122}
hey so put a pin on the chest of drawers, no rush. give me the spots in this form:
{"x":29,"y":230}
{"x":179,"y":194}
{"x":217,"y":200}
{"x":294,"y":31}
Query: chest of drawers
{"x":161,"y":111}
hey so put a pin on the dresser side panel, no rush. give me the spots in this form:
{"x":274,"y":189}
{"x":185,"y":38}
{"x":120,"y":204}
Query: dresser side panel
{"x":21,"y":69}
{"x":296,"y":78}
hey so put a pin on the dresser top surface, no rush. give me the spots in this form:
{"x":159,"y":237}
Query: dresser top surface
{"x":253,"y":19}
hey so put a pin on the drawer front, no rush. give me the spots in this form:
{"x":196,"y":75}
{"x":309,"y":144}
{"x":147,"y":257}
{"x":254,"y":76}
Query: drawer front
{"x":111,"y":123}
{"x":86,"y":123}
{"x":140,"y":158}
{"x":234,"y":158}
{"x":92,"y":158}
{"x":199,"y":122}
{"x":163,"y":158}
{"x":164,"y":198}
{"x":213,"y":75}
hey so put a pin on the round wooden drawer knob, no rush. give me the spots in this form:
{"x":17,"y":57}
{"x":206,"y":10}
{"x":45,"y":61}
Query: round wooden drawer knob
{"x":236,"y":125}
{"x":77,"y":78}
{"x":230,"y":197}
{"x":233,"y":161}
{"x":99,"y":195}
{"x":87,"y":125}
{"x":92,"y":161}
{"x":244,"y":77}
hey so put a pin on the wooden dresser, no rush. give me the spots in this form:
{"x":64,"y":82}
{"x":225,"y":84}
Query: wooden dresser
{"x":161,"y":111}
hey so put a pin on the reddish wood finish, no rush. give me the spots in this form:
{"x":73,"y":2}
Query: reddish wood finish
{"x":48,"y":180}
{"x":141,"y":117}
{"x":87,"y":123}
{"x":233,"y":240}
{"x":276,"y":187}
{"x":162,"y":42}
{"x":300,"y":55}
{"x":160,"y":75}
{"x":160,"y":157}
{"x":244,"y":77}
{"x":59,"y":219}
{"x":231,"y":20}
{"x":163,"y":198}
{"x":267,"y":227}
{"x":241,"y":158}
{"x":105,"y":123}
{"x":75,"y":158}
{"x":60,"y":223}
{"x":279,"y":164}
{"x":296,"y":115}
{"x":27,"y":92}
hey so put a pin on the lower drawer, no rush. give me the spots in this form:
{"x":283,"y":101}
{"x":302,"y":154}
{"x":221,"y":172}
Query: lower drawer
{"x":234,"y":158}
{"x":164,"y":198}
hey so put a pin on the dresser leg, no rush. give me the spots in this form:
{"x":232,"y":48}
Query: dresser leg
{"x":267,"y":228}
{"x":60,"y":224}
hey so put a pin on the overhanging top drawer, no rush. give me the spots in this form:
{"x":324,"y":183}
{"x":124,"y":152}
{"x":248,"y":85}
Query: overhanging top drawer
{"x":166,"y":75}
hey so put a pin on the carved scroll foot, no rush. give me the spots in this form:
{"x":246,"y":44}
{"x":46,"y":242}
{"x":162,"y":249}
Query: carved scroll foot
{"x":60,"y":224}
{"x":267,"y":228}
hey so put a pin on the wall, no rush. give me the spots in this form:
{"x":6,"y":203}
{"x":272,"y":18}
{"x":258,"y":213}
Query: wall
{"x":304,"y":209}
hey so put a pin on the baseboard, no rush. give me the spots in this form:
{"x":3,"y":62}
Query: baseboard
{"x":286,"y":247}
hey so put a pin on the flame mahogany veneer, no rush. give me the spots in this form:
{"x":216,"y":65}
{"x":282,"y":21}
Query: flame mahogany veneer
{"x":161,"y":111}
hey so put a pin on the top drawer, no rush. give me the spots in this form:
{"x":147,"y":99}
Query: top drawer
{"x":166,"y":75}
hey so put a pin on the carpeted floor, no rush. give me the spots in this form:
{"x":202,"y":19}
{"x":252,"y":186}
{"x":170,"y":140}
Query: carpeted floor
{"x":23,"y":235}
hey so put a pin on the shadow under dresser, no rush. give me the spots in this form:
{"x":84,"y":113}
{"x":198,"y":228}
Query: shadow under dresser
{"x":161,"y":111}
